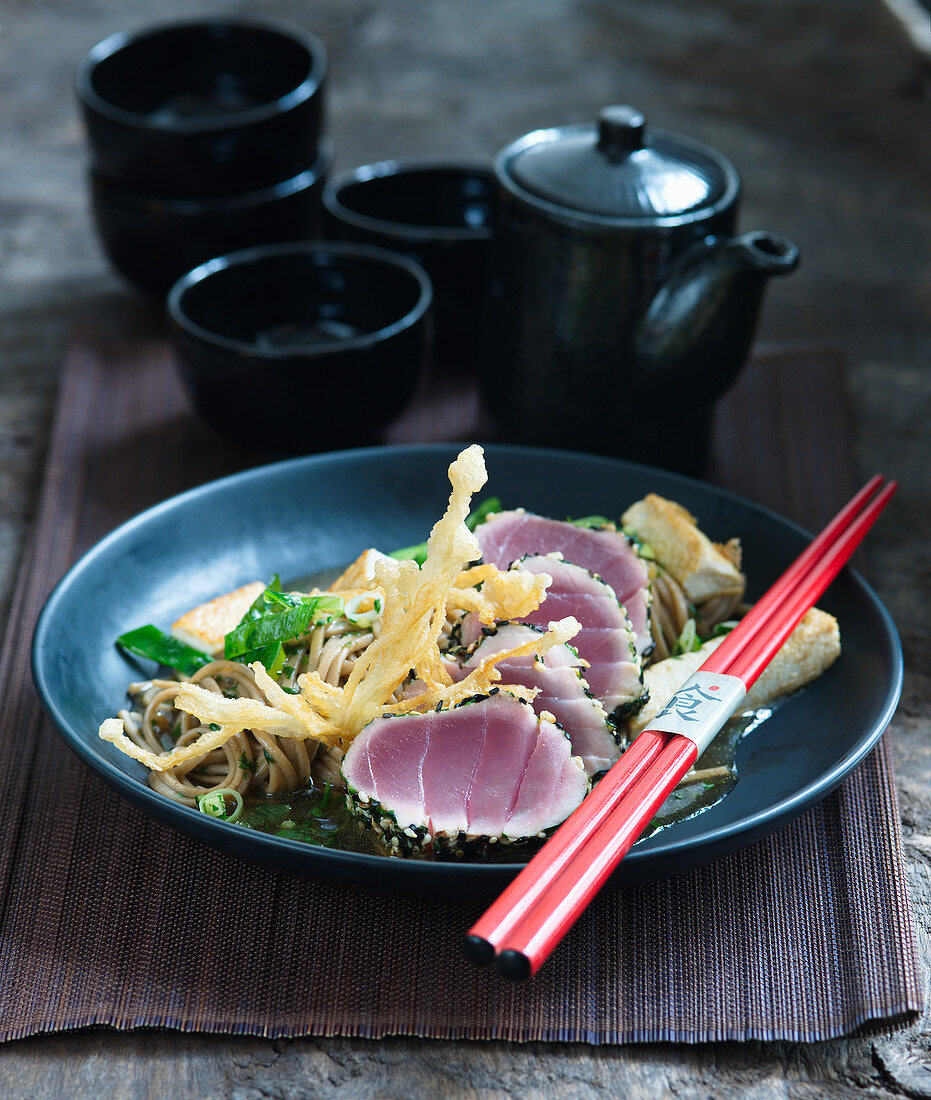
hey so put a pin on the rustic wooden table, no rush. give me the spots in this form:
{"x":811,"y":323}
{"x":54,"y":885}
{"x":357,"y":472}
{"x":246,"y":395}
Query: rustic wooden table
{"x":823,"y":104}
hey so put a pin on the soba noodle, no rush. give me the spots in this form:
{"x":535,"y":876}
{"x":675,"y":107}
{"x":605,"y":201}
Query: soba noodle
{"x":671,"y":612}
{"x":251,"y":762}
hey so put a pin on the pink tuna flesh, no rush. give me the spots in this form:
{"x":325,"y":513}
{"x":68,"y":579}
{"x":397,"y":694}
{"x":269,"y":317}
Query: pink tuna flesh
{"x":507,"y":536}
{"x":563,"y":693}
{"x":411,"y":688}
{"x":485,"y":768}
{"x":605,"y":640}
{"x":470,"y":629}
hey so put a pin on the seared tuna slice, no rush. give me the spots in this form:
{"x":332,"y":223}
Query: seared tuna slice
{"x":464,"y":634}
{"x":471,"y":630}
{"x":606,"y":641}
{"x":488,"y":771}
{"x":507,"y":536}
{"x":413,"y":687}
{"x":563,"y":691}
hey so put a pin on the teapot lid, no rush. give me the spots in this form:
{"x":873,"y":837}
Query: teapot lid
{"x":620,"y":169}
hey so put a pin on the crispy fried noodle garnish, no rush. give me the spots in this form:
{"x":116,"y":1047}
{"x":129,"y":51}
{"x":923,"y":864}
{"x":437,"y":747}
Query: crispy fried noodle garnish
{"x":416,"y":603}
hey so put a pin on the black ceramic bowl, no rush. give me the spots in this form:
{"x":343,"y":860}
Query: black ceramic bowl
{"x":438,"y":213}
{"x":206,"y":107}
{"x":153,"y":241}
{"x":316,"y":513}
{"x":301,"y":347}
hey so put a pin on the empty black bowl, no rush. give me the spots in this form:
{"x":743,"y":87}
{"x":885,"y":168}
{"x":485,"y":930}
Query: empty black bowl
{"x":437,"y":212}
{"x":153,"y":241}
{"x":302,"y":347}
{"x":205,"y":107}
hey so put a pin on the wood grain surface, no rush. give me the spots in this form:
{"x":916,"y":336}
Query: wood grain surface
{"x":824,"y":107}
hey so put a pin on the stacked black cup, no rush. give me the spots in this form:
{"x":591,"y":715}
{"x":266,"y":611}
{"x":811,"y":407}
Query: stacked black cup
{"x":206,"y":136}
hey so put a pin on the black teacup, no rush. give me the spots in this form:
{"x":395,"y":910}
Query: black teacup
{"x":205,"y":107}
{"x":439,"y":213}
{"x":153,"y":241}
{"x":302,"y":347}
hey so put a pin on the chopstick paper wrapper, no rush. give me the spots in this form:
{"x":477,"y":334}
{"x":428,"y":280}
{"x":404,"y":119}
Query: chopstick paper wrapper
{"x":700,"y":708}
{"x":534,"y":913}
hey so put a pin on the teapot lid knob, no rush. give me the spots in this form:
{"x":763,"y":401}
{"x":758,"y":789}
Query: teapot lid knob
{"x":620,"y":131}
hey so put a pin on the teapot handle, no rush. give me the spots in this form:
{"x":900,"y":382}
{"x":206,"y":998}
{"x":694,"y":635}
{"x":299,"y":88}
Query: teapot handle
{"x":698,"y":329}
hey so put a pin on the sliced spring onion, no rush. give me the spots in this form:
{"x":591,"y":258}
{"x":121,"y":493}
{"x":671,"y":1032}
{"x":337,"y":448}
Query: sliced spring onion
{"x":688,"y":641}
{"x":592,"y":521}
{"x":354,"y":613}
{"x":644,"y":549}
{"x":214,"y":803}
{"x":156,"y":645}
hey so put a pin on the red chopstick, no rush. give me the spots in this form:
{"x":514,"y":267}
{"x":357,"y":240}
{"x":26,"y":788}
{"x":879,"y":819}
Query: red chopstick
{"x":515,"y":902}
{"x":505,"y":913}
{"x":533,"y":938}
{"x":541,"y":904}
{"x":822,"y":560}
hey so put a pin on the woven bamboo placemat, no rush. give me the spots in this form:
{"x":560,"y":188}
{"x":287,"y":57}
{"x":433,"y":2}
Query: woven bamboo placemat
{"x":107,"y":918}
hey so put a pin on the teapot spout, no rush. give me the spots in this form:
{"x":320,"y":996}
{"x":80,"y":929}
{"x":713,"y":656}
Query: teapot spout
{"x":698,"y":330}
{"x":769,"y":253}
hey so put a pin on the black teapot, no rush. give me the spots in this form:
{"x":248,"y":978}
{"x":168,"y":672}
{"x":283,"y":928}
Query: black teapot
{"x":621,"y":302}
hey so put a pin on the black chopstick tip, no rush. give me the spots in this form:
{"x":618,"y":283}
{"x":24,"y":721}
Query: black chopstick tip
{"x":514,"y":965}
{"x":478,"y":951}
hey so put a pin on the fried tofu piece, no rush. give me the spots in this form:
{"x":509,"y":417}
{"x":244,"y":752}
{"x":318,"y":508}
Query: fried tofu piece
{"x":204,"y":627}
{"x":360,"y":573}
{"x":811,"y":648}
{"x":664,"y":679}
{"x":703,"y":569}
